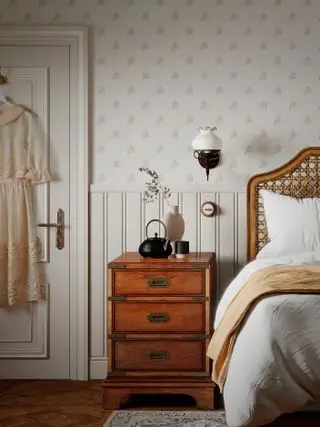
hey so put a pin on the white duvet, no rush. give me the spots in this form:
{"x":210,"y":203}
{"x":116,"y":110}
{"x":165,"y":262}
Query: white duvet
{"x":275,"y":364}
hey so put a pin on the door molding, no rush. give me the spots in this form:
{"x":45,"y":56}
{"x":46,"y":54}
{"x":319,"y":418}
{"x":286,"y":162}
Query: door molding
{"x":76,"y":38}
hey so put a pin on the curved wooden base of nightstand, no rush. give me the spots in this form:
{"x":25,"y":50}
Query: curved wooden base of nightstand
{"x":116,"y":391}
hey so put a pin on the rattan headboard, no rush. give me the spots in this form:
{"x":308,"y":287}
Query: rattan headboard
{"x":297,"y":178}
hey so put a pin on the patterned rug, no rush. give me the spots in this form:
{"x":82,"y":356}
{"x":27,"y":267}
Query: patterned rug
{"x":166,"y":419}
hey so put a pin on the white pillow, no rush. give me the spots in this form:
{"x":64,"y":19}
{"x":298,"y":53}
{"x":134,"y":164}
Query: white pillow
{"x":286,"y":245}
{"x":293,"y":224}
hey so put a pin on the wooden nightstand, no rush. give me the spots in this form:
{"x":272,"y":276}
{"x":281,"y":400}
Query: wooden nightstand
{"x":160,"y":319}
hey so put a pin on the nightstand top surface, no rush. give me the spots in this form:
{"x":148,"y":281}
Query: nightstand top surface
{"x":134,"y":258}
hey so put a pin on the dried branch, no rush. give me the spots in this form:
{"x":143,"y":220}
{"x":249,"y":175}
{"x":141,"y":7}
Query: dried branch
{"x":154,"y":186}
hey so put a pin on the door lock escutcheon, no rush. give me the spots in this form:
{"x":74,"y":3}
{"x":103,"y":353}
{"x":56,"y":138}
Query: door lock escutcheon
{"x":59,"y":227}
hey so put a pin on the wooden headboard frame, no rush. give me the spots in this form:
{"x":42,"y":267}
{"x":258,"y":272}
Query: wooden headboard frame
{"x":297,"y":178}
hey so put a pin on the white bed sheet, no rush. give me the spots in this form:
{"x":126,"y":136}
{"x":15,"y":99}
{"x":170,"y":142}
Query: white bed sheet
{"x":275,"y":364}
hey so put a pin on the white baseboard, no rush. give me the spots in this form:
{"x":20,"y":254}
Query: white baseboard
{"x":98,"y":368}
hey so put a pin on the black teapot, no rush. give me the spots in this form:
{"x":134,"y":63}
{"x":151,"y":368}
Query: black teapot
{"x":155,"y":247}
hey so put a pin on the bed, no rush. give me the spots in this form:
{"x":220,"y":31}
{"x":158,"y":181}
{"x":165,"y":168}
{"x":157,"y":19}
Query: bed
{"x":273,"y":362}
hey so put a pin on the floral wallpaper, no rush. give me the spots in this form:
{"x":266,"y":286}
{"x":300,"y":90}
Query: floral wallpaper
{"x":162,"y":68}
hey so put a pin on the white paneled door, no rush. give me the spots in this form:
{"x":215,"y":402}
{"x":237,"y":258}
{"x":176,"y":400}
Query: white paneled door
{"x":35,"y":338}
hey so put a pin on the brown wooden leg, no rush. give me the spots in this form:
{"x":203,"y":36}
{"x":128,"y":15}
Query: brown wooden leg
{"x":113,"y":399}
{"x":204,"y":398}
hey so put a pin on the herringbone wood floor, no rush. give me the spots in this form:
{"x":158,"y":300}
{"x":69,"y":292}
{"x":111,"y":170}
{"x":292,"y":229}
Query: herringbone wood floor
{"x":51,"y":404}
{"x":77,"y":403}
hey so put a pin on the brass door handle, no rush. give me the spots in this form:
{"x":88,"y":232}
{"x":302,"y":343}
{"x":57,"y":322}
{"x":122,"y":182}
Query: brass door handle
{"x":59,"y":226}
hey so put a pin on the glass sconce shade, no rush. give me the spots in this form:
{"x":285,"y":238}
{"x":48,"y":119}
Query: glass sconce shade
{"x":207,"y":146}
{"x":206,"y":140}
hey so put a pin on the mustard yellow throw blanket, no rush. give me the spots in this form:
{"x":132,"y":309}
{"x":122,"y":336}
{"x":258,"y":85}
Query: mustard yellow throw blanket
{"x":272,"y":280}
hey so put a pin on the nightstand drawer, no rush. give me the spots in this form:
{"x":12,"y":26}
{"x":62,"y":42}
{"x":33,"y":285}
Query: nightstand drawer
{"x":158,"y":282}
{"x":177,"y":317}
{"x":130,"y":355}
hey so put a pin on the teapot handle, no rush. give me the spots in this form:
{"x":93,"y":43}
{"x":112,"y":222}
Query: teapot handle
{"x":162,"y":223}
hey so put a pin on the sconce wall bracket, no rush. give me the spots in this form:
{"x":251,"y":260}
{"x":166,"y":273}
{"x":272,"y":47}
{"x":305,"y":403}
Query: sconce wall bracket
{"x":208,"y":159}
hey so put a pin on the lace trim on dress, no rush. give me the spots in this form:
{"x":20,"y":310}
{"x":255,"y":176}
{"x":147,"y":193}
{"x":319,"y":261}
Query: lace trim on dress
{"x":37,"y":176}
{"x":33,"y":175}
{"x":7,"y":174}
{"x":21,"y":275}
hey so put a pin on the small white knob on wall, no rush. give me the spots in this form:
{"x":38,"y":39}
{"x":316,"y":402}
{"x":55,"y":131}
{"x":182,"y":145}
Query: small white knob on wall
{"x":208,"y":209}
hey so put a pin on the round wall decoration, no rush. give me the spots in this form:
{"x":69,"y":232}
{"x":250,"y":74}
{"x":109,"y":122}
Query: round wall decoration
{"x":208,"y":209}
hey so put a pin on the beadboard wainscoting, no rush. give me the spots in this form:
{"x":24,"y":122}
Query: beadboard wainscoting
{"x":118,"y":221}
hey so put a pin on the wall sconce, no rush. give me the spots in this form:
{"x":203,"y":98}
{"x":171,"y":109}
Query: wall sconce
{"x":207,"y":147}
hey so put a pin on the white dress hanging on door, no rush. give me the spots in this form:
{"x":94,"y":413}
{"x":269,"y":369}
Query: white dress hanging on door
{"x":22,"y":164}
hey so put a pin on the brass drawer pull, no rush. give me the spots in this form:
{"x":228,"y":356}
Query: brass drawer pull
{"x":158,"y":317}
{"x":159,"y":355}
{"x":158,"y":283}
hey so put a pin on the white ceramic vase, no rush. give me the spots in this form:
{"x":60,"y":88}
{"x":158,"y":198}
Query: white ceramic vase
{"x":175,"y":223}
